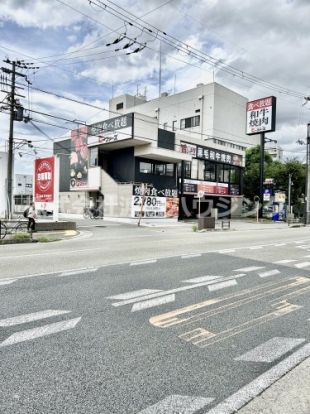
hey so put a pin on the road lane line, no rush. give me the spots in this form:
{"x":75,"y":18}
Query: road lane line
{"x":7,"y":281}
{"x":222,"y":285}
{"x":285,"y":261}
{"x":223,"y":251}
{"x":143,"y":262}
{"x":245,"y":394}
{"x":271,"y":350}
{"x":176,"y":290}
{"x":178,"y":404}
{"x":146,"y":304}
{"x":255,"y":247}
{"x":30,"y":317}
{"x":134,"y":294}
{"x":45,"y":330}
{"x":202,"y":279}
{"x":269,"y":273}
{"x":249,"y":269}
{"x":279,"y":244}
{"x":302,"y":265}
{"x":190,"y":256}
{"x":78,"y":271}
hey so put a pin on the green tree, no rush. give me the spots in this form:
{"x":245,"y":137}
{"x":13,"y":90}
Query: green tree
{"x":279,"y":171}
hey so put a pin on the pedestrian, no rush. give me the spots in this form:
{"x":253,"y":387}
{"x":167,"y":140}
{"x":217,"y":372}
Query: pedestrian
{"x":32,"y":215}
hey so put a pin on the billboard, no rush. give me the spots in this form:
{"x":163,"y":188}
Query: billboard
{"x":79,"y":159}
{"x":211,"y":154}
{"x":44,"y":176}
{"x":111,"y":130}
{"x":261,"y":115}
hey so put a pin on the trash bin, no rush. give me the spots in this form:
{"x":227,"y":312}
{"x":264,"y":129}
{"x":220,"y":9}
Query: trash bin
{"x":206,"y":223}
{"x":275,"y":216}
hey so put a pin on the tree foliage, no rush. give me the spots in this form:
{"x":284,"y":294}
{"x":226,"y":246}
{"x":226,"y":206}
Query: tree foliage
{"x":279,"y":171}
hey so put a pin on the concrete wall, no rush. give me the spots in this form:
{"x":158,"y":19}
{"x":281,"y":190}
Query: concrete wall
{"x":117,"y":197}
{"x":73,"y":202}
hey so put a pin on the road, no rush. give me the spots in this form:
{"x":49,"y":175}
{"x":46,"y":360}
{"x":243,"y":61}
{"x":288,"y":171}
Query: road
{"x":145,"y":321}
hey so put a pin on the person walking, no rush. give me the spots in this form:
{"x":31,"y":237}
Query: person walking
{"x":32,"y":215}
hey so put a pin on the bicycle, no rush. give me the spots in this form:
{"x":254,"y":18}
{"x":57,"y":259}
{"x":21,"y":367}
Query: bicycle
{"x":91,"y":213}
{"x":19,"y":226}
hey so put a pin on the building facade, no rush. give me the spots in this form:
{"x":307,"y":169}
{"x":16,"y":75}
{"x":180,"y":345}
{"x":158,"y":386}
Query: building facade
{"x":22,"y":192}
{"x":3,"y":182}
{"x":152,"y":158}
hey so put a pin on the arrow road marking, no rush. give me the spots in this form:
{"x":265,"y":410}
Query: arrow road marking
{"x":271,"y":350}
{"x":152,"y":302}
{"x":30,"y":317}
{"x":133,"y":294}
{"x":178,"y":404}
{"x":45,"y":330}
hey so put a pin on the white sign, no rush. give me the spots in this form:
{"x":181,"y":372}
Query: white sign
{"x":261,"y":115}
{"x":154,"y":207}
{"x":111,"y":130}
{"x":200,"y":194}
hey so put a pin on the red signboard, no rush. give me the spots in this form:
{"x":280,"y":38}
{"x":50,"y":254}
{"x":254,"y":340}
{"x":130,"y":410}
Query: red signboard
{"x":44,"y":174}
{"x":261,"y":116}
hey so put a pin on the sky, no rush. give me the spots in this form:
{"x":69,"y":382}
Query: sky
{"x":66,"y":40}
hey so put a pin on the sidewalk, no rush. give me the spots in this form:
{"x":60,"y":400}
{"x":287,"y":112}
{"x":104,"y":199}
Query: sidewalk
{"x":289,"y":395}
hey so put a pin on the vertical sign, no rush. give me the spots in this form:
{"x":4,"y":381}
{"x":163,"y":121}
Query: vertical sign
{"x":44,"y":175}
{"x":261,"y":116}
{"x":79,"y":159}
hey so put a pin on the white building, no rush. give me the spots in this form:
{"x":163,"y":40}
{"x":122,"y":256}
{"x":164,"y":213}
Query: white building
{"x":276,"y":153}
{"x":22,"y":191}
{"x":178,"y":145}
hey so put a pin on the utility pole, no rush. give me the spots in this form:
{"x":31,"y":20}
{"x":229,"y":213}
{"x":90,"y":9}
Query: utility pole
{"x":11,"y":135}
{"x":16,"y":114}
{"x":307,"y":221}
{"x":289,"y":193}
{"x":261,"y":173}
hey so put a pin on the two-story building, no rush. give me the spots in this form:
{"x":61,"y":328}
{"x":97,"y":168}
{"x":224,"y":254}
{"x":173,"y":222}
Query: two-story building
{"x":152,"y":158}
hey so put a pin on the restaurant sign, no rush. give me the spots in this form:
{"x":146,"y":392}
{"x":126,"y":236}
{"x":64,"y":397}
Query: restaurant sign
{"x":261,"y":115}
{"x":111,"y":130}
{"x":211,"y":154}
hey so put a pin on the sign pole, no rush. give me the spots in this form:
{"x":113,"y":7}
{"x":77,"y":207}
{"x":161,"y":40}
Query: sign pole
{"x":56,"y":190}
{"x":261,"y":173}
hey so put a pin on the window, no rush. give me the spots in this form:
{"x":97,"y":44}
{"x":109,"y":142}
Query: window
{"x":197,"y":111}
{"x":190,"y":122}
{"x":188,"y":168}
{"x":234,"y":175}
{"x":119,"y":106}
{"x":174,"y":125}
{"x":159,"y":169}
{"x":146,"y":167}
{"x":165,"y":125}
{"x":170,"y":170}
{"x":210,"y":168}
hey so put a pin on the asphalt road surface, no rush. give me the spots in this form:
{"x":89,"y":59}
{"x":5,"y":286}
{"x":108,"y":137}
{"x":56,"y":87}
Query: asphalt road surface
{"x":195,"y":332}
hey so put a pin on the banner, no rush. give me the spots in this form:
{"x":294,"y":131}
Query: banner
{"x":79,"y":159}
{"x":44,"y":176}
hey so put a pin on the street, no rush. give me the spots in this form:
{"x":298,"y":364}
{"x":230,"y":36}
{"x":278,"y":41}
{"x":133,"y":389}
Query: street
{"x":125,"y":320}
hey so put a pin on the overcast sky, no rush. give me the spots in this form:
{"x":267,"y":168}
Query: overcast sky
{"x":67,"y":40}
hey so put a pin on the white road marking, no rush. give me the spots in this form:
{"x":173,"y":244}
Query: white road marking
{"x":143,"y":262}
{"x":227,"y":251}
{"x":302,"y":265}
{"x":305,"y":246}
{"x":30,"y":317}
{"x":176,"y":290}
{"x":189,"y":256}
{"x":134,"y":294}
{"x":201,"y":279}
{"x":45,"y":330}
{"x":7,"y":281}
{"x":78,"y":271}
{"x":280,"y":244}
{"x":255,"y":247}
{"x":146,"y":304}
{"x":271,"y":350}
{"x":300,"y":241}
{"x":249,"y":269}
{"x":285,"y":261}
{"x":257,"y":386}
{"x":269,"y":273}
{"x":178,"y":404}
{"x":222,"y":285}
